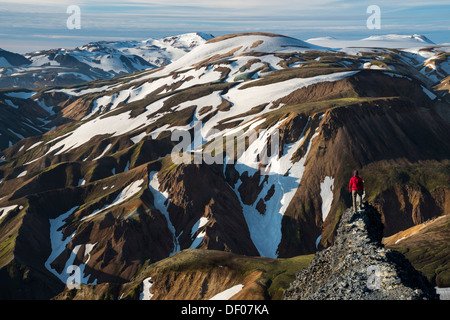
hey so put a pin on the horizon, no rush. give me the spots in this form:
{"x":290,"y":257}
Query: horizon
{"x":27,"y":26}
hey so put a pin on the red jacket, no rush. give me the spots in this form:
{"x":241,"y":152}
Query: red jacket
{"x":356,"y":183}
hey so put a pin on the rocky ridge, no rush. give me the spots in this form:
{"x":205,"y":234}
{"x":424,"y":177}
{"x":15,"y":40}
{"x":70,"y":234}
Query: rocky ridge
{"x":359,"y":267}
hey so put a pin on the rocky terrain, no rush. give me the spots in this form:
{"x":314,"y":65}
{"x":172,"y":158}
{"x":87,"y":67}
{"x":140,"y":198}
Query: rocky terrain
{"x":359,"y":267}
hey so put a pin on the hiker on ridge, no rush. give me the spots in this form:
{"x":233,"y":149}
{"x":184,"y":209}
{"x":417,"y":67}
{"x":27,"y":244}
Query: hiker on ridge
{"x":356,"y":187}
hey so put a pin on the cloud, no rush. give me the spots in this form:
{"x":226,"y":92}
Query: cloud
{"x":143,"y":19}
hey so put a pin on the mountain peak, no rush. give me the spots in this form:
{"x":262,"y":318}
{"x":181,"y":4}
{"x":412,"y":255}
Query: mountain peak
{"x":239,"y":45}
{"x":186,"y":41}
{"x":400,"y":37}
{"x":394,"y":41}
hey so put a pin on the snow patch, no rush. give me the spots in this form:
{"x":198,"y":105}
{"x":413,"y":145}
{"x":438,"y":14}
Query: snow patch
{"x":58,"y":243}
{"x":199,"y":238}
{"x":20,"y":95}
{"x":22,"y":174}
{"x":326,"y":193}
{"x":430,"y":95}
{"x":9,"y":102}
{"x":127,"y":193}
{"x":146,"y":286}
{"x":34,"y":145}
{"x":104,"y":152}
{"x":115,"y":125}
{"x":6,"y":210}
{"x":229,"y":293}
{"x":285,"y":176}
{"x":161,"y":202}
{"x":318,"y":241}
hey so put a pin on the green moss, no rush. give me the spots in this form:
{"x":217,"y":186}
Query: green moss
{"x":136,"y":151}
{"x":280,"y":274}
{"x":379,"y":63}
{"x":9,"y":230}
{"x":310,"y":108}
{"x":321,"y":65}
{"x":245,"y":76}
{"x":337,"y":216}
{"x":431,"y":261}
{"x":291,"y":73}
{"x":180,"y":118}
{"x":276,"y":276}
{"x":429,"y":175}
{"x":7,"y":249}
{"x":90,"y":173}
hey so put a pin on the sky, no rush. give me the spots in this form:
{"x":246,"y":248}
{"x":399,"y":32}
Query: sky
{"x":31,"y":25}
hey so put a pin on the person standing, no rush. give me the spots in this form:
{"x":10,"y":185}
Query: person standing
{"x":356,"y":187}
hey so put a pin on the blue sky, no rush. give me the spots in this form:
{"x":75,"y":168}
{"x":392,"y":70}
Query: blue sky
{"x":29,"y":25}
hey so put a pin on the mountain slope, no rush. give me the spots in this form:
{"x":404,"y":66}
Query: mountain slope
{"x":194,"y":274}
{"x":21,"y":117}
{"x":11,"y":59}
{"x":103,"y":190}
{"x":425,"y":246}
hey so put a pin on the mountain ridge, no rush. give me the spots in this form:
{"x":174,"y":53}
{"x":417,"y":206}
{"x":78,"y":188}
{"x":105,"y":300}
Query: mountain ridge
{"x":358,"y":267}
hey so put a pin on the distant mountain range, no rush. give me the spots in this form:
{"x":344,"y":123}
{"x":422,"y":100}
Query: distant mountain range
{"x":391,"y":41}
{"x":95,"y":60}
{"x":89,"y":177}
{"x":108,"y":59}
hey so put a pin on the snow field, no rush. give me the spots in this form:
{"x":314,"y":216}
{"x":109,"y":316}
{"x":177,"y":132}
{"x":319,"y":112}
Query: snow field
{"x":161,"y":202}
{"x":127,"y":193}
{"x":224,"y":295}
{"x":229,"y":293}
{"x":6,"y":210}
{"x":146,"y":286}
{"x":326,"y":193}
{"x":59,"y":243}
{"x":285,"y":176}
{"x":199,"y":237}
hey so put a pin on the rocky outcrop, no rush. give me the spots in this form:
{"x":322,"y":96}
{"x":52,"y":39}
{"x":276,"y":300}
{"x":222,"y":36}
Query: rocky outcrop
{"x":359,"y":267}
{"x":426,"y":246}
{"x":404,"y":206}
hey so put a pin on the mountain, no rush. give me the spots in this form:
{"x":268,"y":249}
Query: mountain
{"x":26,"y":113}
{"x":11,"y":59}
{"x":391,"y":41}
{"x":108,"y":191}
{"x":95,"y":60}
{"x":195,"y":274}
